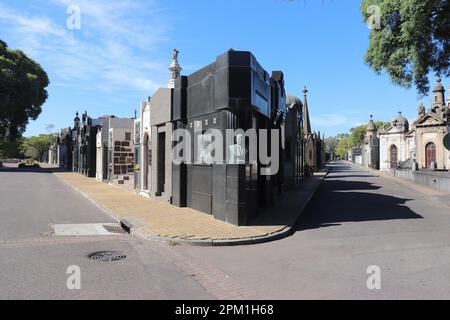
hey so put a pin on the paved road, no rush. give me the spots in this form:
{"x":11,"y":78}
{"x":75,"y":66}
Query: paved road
{"x":356,"y":220}
{"x":33,"y":264}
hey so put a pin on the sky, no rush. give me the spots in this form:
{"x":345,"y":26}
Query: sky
{"x":120,"y":54}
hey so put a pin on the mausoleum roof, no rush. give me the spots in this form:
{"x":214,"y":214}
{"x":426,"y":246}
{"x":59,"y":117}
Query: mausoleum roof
{"x":438,"y":86}
{"x":400,"y":119}
{"x":371,"y":125}
{"x":293,"y":101}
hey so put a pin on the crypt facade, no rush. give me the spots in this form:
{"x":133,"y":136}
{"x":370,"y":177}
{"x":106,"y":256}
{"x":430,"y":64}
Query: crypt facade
{"x":418,"y":146}
{"x":314,"y":146}
{"x":233,"y":92}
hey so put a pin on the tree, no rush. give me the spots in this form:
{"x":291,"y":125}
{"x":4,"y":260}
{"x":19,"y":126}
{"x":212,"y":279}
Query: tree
{"x":354,"y":139}
{"x":343,"y":146}
{"x":22,"y":91}
{"x":50,"y":128}
{"x":380,"y":124}
{"x":332,"y":143}
{"x":10,"y":149}
{"x":412,"y":41}
{"x":35,"y":147}
{"x":357,"y":135}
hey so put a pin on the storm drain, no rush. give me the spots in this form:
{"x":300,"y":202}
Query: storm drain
{"x":87,"y":229}
{"x":117,"y":229}
{"x":107,"y":256}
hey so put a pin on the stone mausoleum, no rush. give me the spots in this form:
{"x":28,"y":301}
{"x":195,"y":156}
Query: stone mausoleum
{"x":115,"y":150}
{"x":233,"y":92}
{"x":419,"y":146}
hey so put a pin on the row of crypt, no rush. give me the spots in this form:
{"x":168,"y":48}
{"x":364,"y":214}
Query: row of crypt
{"x":234,"y":93}
{"x":410,"y":145}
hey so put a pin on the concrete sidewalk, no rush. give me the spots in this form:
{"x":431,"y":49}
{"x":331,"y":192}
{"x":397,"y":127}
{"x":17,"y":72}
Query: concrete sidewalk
{"x":152,"y":219}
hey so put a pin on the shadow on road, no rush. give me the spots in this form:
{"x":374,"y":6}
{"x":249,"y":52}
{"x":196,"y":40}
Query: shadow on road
{"x":338,"y":167}
{"x":367,"y":176}
{"x":347,"y":185}
{"x":32,"y":170}
{"x":335,"y":204}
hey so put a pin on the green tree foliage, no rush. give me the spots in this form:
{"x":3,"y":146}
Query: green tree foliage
{"x":22,"y":92}
{"x":35,"y":147}
{"x":344,"y":145}
{"x":10,"y":149}
{"x":354,"y":139}
{"x":413,"y":40}
{"x":357,"y":136}
{"x":331,"y":143}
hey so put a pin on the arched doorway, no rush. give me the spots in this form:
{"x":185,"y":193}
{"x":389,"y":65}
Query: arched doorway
{"x":430,"y":155}
{"x":145,"y":162}
{"x":393,"y":156}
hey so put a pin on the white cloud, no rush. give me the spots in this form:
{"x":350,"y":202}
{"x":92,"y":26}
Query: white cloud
{"x":112,"y":50}
{"x":136,"y":23}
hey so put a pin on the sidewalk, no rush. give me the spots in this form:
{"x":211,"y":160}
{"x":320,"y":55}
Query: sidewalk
{"x":152,"y":219}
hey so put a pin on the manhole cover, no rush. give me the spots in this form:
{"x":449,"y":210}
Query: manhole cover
{"x":107,"y":256}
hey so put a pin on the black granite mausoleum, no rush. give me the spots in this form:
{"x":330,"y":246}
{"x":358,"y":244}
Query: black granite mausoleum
{"x":234,"y":92}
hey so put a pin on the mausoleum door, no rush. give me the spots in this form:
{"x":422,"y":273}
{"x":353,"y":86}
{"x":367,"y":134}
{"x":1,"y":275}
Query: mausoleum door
{"x":430,"y":154}
{"x":394,"y":156}
{"x":146,"y":162}
{"x":161,"y":162}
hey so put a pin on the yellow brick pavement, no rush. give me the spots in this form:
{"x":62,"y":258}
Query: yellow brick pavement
{"x":162,"y":219}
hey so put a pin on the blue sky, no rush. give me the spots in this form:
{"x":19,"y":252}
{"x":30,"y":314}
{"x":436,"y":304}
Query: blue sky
{"x":123,"y":49}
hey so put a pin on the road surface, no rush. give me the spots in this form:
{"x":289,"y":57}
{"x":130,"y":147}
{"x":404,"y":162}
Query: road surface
{"x":356,"y":220}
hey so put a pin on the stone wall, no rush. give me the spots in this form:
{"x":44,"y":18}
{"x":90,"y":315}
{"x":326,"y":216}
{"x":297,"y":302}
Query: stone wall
{"x":436,"y":180}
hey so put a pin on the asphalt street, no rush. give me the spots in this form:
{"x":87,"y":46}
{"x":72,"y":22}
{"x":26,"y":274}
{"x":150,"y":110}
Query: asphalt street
{"x":33,"y":263}
{"x":356,"y":220}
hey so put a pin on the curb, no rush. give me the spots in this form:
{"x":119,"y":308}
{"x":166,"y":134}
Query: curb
{"x":278,"y":235}
{"x":136,"y":231}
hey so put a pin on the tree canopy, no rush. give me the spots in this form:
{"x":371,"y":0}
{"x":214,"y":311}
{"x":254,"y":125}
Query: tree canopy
{"x":22,"y":91}
{"x":36,"y":146}
{"x":331,"y":143}
{"x":354,"y":139}
{"x":412,"y":41}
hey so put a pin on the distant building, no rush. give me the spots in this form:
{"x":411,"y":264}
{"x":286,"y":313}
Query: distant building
{"x":395,"y":147}
{"x":115,"y":150}
{"x":430,"y":129}
{"x":59,"y":152}
{"x":371,"y":147}
{"x":294,"y":144}
{"x":84,"y":146}
{"x":421,"y":145}
{"x":314,"y":144}
{"x":357,"y":155}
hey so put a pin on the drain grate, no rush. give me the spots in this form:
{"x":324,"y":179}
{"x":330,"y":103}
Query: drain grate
{"x":117,"y":229}
{"x":107,"y":256}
